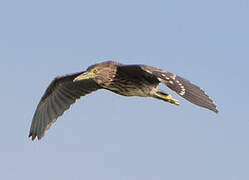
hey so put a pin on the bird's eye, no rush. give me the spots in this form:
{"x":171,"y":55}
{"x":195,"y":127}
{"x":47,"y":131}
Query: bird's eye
{"x":95,"y":71}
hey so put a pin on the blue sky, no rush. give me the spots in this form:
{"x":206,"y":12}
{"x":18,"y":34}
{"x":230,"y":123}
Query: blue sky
{"x":106,"y":136}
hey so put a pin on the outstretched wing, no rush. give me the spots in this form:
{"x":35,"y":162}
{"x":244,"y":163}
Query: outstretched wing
{"x":60,"y":94}
{"x":183,"y":87}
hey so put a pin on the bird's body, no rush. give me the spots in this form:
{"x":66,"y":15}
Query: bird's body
{"x":131,"y":84}
{"x":125,"y":80}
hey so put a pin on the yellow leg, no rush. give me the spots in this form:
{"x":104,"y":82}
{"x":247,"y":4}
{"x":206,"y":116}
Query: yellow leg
{"x":166,"y":97}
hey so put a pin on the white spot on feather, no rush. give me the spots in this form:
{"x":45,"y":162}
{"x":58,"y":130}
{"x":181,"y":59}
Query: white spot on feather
{"x":182,"y":88}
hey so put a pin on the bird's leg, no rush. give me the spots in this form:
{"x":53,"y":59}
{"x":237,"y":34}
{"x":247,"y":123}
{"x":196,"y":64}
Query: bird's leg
{"x":165,"y":97}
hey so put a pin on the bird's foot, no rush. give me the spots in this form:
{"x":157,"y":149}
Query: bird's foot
{"x":166,"y":97}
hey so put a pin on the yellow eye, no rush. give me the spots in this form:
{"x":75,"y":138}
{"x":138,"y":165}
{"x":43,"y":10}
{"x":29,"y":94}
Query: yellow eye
{"x":95,"y":71}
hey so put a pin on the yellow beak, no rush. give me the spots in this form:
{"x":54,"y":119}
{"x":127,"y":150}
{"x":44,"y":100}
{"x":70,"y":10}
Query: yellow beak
{"x":85,"y":75}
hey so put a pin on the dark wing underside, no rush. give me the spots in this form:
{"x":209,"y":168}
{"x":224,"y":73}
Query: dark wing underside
{"x":136,"y":73}
{"x":181,"y":86}
{"x":61,"y":93}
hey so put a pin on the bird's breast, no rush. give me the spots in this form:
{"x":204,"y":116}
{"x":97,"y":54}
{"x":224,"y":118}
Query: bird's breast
{"x":130,"y":89}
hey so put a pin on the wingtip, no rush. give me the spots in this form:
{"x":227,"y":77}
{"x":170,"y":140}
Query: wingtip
{"x":32,"y":136}
{"x":215,"y":110}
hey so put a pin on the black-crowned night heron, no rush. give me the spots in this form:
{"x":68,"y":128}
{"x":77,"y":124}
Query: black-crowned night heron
{"x":125,"y":80}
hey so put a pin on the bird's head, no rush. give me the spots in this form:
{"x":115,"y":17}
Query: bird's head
{"x":99,"y":72}
{"x":91,"y":73}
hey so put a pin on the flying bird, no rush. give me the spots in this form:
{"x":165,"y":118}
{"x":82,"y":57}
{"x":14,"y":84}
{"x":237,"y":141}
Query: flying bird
{"x":125,"y":80}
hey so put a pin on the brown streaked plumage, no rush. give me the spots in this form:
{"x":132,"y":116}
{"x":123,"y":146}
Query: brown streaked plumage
{"x":125,"y":80}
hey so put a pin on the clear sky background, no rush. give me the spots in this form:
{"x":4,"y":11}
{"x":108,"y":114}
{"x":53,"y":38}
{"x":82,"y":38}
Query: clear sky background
{"x":106,"y":136}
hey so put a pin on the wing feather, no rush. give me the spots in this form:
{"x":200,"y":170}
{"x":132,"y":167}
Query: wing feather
{"x":58,"y":97}
{"x":183,"y":87}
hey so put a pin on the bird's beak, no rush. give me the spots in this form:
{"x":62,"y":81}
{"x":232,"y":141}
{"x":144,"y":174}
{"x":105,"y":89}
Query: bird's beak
{"x":85,"y":75}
